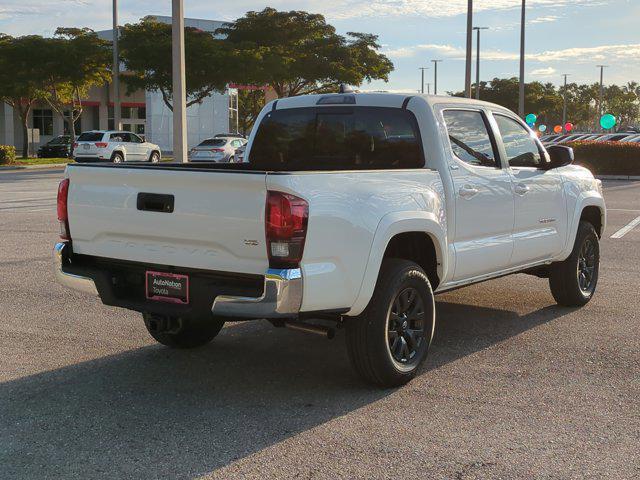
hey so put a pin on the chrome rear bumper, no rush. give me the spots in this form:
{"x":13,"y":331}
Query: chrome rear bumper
{"x":75,"y":282}
{"x":282,"y":297}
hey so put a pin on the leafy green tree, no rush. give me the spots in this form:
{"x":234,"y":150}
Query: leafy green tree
{"x":250,"y":102}
{"x":22,"y":65}
{"x":297,"y":52}
{"x":145,"y":49}
{"x":78,"y":59}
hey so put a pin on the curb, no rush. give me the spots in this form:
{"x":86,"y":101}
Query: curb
{"x":618,"y":177}
{"x":32,"y":167}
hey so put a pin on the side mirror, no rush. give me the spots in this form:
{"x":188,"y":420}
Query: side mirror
{"x":559,"y":156}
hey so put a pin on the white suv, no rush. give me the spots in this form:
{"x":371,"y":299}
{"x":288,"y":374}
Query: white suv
{"x":114,"y":146}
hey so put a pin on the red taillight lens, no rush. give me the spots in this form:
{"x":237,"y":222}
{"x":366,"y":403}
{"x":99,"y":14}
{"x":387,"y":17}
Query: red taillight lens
{"x":102,"y":144}
{"x":217,"y":149}
{"x":63,"y":216}
{"x":75,"y":145}
{"x":286,"y":220}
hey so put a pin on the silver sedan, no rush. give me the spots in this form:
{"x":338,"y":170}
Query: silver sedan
{"x":218,"y":149}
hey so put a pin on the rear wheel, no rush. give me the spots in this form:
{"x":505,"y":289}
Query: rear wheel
{"x":232,"y":159}
{"x":573,"y":281}
{"x":178,"y":332}
{"x":391,"y":338}
{"x":117,"y":158}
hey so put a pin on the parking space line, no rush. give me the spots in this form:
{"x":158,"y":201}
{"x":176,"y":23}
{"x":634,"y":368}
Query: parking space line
{"x":627,"y":228}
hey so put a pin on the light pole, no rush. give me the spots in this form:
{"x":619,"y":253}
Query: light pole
{"x":179,"y":82}
{"x":477,"y":29}
{"x":422,"y":82}
{"x":600,"y":94}
{"x":428,"y":88}
{"x":521,"y":86}
{"x":117,"y":120}
{"x":435,"y":76}
{"x":564,"y":104}
{"x":467,"y":73}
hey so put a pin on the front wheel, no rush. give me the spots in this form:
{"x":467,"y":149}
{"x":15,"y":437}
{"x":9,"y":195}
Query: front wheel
{"x":573,"y":281}
{"x":154,"y":158}
{"x":391,"y":338}
{"x":178,"y":332}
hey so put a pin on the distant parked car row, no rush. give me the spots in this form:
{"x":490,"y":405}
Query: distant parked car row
{"x":631,"y":137}
{"x":121,"y":146}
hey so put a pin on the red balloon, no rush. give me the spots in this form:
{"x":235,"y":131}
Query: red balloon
{"x":568,"y":126}
{"x":557,"y":129}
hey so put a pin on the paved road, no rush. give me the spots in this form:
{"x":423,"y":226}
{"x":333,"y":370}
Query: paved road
{"x":515,"y":387}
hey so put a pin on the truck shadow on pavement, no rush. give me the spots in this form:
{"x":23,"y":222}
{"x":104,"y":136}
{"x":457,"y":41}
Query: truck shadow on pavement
{"x":154,"y":412}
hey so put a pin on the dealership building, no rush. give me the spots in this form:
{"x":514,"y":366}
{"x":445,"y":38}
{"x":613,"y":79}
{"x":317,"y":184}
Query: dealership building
{"x":143,"y":112}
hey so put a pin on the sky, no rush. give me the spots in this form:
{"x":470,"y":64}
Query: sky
{"x":563,"y":36}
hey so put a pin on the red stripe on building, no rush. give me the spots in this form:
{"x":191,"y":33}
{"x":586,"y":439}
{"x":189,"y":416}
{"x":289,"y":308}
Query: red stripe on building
{"x":131,"y":104}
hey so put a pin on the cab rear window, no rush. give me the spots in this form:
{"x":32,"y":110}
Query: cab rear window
{"x":337,"y":138}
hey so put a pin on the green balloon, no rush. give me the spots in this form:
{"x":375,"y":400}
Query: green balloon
{"x":531,"y":118}
{"x":607,"y":121}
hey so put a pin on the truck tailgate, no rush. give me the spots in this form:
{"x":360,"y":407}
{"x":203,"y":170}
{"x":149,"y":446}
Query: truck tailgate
{"x":216,"y":222}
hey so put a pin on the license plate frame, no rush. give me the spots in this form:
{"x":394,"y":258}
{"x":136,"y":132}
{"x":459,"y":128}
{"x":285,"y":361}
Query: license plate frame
{"x":167,"y":287}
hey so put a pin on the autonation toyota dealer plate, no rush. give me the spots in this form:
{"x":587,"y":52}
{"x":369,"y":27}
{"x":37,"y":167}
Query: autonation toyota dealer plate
{"x":167,"y":287}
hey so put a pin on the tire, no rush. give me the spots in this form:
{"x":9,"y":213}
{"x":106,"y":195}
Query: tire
{"x":375,"y":338}
{"x":182,"y":332}
{"x":154,"y":157}
{"x":573,"y":281}
{"x":232,"y":159}
{"x":117,"y":158}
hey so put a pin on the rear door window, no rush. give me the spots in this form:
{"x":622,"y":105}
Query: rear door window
{"x":337,"y":138}
{"x":470,"y":139}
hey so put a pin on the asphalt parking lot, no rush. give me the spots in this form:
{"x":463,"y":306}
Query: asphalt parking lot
{"x":515,"y":387}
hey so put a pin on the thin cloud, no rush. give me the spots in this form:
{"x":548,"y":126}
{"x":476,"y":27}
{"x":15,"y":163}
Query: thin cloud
{"x":624,"y":52}
{"x":543,"y":72}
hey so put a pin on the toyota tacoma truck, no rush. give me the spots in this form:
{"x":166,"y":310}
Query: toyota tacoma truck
{"x":348,"y":211}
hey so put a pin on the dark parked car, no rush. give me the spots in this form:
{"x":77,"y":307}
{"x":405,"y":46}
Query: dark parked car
{"x":60,"y":146}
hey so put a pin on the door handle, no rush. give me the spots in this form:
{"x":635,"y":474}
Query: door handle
{"x":468,"y":191}
{"x":521,"y":189}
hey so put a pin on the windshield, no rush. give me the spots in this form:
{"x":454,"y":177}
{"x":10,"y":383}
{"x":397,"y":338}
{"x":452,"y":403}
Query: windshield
{"x":59,"y":140}
{"x":337,"y":138}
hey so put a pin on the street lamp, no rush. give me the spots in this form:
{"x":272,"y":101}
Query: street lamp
{"x":467,"y":73}
{"x":600,"y":94}
{"x":564,"y":104}
{"x":422,"y":82}
{"x":179,"y":82}
{"x":117,"y":120}
{"x":521,"y":86}
{"x":435,"y":76}
{"x":477,"y":29}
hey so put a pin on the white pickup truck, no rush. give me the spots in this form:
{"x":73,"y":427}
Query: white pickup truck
{"x":350,"y":210}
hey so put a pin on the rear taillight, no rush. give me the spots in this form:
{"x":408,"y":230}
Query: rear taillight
{"x":75,"y":145}
{"x":217,"y":149}
{"x":63,"y":215}
{"x":102,"y":144}
{"x":286,"y":220}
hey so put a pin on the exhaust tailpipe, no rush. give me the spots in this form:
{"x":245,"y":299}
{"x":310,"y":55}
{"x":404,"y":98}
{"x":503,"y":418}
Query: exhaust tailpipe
{"x":326,"y":332}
